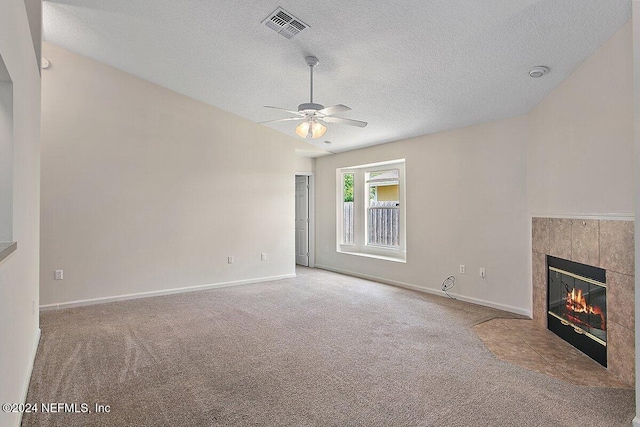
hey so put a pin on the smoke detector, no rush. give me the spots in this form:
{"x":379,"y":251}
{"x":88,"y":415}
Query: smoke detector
{"x":284,"y":23}
{"x":538,"y":71}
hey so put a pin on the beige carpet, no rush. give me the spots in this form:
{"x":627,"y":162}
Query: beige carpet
{"x":319,"y":350}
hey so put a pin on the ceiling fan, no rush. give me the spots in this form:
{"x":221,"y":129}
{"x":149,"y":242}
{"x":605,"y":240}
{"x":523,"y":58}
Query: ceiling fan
{"x":312,"y":114}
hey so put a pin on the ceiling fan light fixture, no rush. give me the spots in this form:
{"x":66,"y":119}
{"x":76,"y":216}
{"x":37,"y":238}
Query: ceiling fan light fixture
{"x":317,"y":130}
{"x":311,"y":128}
{"x":303,"y":129}
{"x":312,"y":113}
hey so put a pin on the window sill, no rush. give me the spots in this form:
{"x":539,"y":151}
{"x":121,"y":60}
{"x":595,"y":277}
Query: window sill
{"x":382,"y":257}
{"x":7,"y":248}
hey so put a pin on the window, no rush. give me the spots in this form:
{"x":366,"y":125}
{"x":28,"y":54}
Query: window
{"x":347,"y":208}
{"x":371,"y":214}
{"x":383,"y":209}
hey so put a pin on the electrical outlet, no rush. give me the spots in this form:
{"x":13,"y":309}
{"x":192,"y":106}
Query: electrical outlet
{"x":263,"y":256}
{"x":230,"y":260}
{"x":463,"y":269}
{"x":483,"y":272}
{"x":59,"y":275}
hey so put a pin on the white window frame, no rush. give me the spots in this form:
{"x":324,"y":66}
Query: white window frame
{"x":360,"y":246}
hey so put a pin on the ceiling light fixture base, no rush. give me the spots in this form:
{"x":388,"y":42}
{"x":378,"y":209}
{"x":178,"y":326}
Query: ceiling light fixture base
{"x":312,"y":61}
{"x":310,"y":106}
{"x":538,"y":71}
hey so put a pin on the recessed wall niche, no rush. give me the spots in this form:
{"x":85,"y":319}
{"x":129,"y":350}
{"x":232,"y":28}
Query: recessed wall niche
{"x":6,"y":155}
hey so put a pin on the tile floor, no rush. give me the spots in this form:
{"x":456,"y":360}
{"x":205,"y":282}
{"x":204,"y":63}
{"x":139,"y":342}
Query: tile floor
{"x":523,"y":343}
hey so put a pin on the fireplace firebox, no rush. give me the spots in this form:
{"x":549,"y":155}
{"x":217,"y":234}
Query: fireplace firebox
{"x":577,"y":306}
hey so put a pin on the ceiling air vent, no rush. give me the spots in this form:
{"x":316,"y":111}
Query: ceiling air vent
{"x":284,"y":23}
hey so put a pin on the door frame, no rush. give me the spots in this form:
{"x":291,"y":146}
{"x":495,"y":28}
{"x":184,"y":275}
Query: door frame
{"x":312,"y":217}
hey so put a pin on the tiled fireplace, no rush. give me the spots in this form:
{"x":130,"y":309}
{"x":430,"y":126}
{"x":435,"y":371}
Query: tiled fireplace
{"x":601,"y":244}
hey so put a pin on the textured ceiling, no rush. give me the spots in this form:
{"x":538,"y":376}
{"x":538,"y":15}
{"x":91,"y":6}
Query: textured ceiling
{"x":408,"y":68}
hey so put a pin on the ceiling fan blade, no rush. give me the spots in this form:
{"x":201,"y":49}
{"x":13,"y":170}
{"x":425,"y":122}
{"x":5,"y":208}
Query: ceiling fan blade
{"x":284,"y":109}
{"x":283,"y":120}
{"x":334,"y":109}
{"x":342,"y":121}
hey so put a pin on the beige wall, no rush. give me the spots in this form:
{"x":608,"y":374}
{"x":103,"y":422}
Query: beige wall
{"x":636,"y":91}
{"x":580,"y":159}
{"x":19,"y":272}
{"x":146,"y":190}
{"x":466,"y":204}
{"x":34,"y":14}
{"x":471,"y":192}
{"x":305,"y":164}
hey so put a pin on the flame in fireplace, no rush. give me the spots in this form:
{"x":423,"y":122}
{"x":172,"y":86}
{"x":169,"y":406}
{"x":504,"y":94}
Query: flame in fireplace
{"x":577,"y":307}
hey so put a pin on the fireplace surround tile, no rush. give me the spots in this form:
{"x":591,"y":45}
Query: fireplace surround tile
{"x":539,"y":289}
{"x":617,"y":246}
{"x":613,"y":242}
{"x":564,"y":355}
{"x":621,"y":297}
{"x":621,"y":348}
{"x":540,"y":235}
{"x":539,"y":270}
{"x":541,"y":366}
{"x":585,"y":247}
{"x":539,"y":307}
{"x":496,"y":332}
{"x":516,"y":353}
{"x":527,"y":345}
{"x":584,"y":374}
{"x":520,"y":325}
{"x":560,"y":238}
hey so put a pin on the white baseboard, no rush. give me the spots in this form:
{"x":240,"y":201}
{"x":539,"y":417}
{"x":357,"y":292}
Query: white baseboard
{"x":27,"y":379}
{"x":102,"y":300}
{"x":438,"y":292}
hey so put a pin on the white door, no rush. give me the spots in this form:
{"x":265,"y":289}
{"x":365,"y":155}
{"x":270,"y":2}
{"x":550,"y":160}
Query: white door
{"x":302,"y":220}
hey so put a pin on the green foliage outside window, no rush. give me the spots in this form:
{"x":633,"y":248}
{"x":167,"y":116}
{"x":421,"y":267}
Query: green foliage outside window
{"x":347,"y":180}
